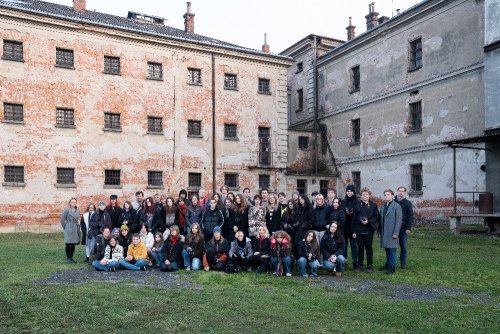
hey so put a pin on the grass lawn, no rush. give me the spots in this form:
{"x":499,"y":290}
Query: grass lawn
{"x":252,"y":303}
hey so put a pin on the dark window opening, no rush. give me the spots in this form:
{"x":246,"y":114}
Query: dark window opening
{"x":264,"y":181}
{"x":155,"y":178}
{"x":112,"y":177}
{"x":230,"y":81}
{"x":355,"y":79}
{"x":303,"y":142}
{"x":194,"y":128}
{"x":356,"y":131}
{"x":300,"y":67}
{"x":302,"y":186}
{"x":231,"y":180}
{"x":194,"y":180}
{"x":112,"y":121}
{"x":65,"y":175}
{"x":415,"y":54}
{"x":230,"y":131}
{"x":155,"y":71}
{"x":264,"y":86}
{"x":13,"y":112}
{"x":14,"y":174}
{"x":416,"y":177}
{"x":356,"y":180}
{"x":12,"y":50}
{"x":416,"y":116}
{"x":111,"y":65}
{"x":65,"y":58}
{"x":65,"y":117}
{"x":300,"y":99}
{"x":155,"y":124}
{"x":323,"y":187}
{"x":194,"y":76}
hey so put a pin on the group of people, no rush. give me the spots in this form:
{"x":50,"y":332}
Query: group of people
{"x":231,"y":232}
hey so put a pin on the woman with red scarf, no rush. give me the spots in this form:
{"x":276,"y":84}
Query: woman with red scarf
{"x":171,"y":252}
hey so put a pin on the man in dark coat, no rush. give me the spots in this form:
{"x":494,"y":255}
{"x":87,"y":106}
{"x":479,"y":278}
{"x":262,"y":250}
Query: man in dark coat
{"x":407,"y":210}
{"x":364,"y":224}
{"x":391,"y":219}
{"x":114,"y":211}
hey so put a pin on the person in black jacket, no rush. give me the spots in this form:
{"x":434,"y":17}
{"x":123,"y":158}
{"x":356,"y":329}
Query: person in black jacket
{"x":124,"y":240}
{"x":240,"y":209}
{"x":114,"y":211}
{"x":321,"y":217}
{"x":337,"y":214}
{"x":261,"y":247}
{"x":129,"y":218}
{"x":228,"y":227}
{"x":332,"y":248}
{"x":273,"y":214}
{"x":349,"y":202}
{"x":288,"y":218}
{"x":194,"y":212}
{"x":211,"y":218}
{"x":194,"y":247}
{"x":101,"y":241}
{"x":309,"y":254}
{"x":216,"y":253}
{"x":407,"y":209}
{"x":99,"y":220}
{"x":304,"y":220}
{"x":364,"y":224}
{"x":171,"y":251}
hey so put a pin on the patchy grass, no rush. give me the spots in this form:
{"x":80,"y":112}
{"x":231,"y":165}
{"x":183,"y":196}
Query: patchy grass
{"x":249,"y":302}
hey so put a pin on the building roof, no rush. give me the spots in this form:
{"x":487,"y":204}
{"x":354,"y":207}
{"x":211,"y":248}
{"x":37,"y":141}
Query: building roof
{"x":67,"y":13}
{"x":306,"y":40}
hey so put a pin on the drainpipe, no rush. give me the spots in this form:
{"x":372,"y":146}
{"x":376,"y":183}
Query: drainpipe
{"x":315,"y":88}
{"x":214,"y":159}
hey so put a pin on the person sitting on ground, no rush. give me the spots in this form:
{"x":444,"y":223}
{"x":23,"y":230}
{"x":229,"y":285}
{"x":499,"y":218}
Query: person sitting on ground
{"x":309,"y":255}
{"x":216,"y":253}
{"x":156,"y":249}
{"x":281,"y":253}
{"x":113,"y":254}
{"x":261,"y":247}
{"x":137,"y":255}
{"x":239,"y":253}
{"x":124,"y":240}
{"x":101,"y":241}
{"x":194,"y":245}
{"x":147,"y":237}
{"x":171,"y":252}
{"x":332,"y":248}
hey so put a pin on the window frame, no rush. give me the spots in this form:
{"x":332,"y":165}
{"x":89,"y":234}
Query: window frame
{"x":356,"y":181}
{"x":264,"y":86}
{"x":191,"y":77}
{"x":228,"y":131}
{"x":303,"y":142}
{"x":417,"y":180}
{"x":18,"y":174}
{"x":229,"y":183}
{"x":230,"y":81}
{"x":65,"y":181}
{"x":152,"y":126}
{"x":415,"y":54}
{"x":415,"y":119}
{"x":301,"y":186}
{"x":193,"y":180}
{"x":108,"y":178}
{"x":14,"y":112}
{"x":65,"y":63}
{"x":111,"y":126}
{"x":323,"y":187}
{"x":108,"y":68}
{"x":264,"y":181}
{"x":64,"y":114}
{"x":192,"y":124}
{"x":355,"y":83}
{"x":13,"y":53}
{"x":155,"y":175}
{"x":300,"y":67}
{"x":152,"y":71}
{"x":300,"y":100}
{"x":355,"y":131}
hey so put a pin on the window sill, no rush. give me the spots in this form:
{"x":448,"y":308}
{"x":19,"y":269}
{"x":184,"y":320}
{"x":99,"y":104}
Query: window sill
{"x":154,"y":79}
{"x":65,"y":185}
{"x":410,"y":132}
{"x":415,"y":193}
{"x":112,"y":73}
{"x":414,"y":69}
{"x":299,"y":71}
{"x":195,"y":84}
{"x":264,"y":93}
{"x":14,"y":184}
{"x":65,"y":126}
{"x":8,"y":121}
{"x":112,"y":186}
{"x":232,"y":138}
{"x":354,"y":91}
{"x":13,"y":59}
{"x":193,"y":188}
{"x":156,"y":187}
{"x":354,"y":143}
{"x":111,"y":130}
{"x":195,"y":136}
{"x":229,"y":88}
{"x":155,"y":133}
{"x":68,"y":67}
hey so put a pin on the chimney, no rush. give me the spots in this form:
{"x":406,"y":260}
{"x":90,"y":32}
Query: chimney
{"x":189,"y":19}
{"x":372,"y":17}
{"x":79,"y":5}
{"x":350,"y":30}
{"x":265,"y":47}
{"x":383,"y":19}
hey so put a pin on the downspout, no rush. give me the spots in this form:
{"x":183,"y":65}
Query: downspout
{"x":315,"y":88}
{"x":214,"y":159}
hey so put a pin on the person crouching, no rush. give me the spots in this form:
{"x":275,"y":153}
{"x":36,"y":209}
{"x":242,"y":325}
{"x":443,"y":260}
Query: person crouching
{"x":216,"y":253}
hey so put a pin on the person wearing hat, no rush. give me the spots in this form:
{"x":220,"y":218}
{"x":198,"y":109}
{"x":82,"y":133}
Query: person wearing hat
{"x":212,"y":217}
{"x":349,"y":203}
{"x":114,"y":211}
{"x":99,"y":220}
{"x":216,"y":253}
{"x":124,"y":240}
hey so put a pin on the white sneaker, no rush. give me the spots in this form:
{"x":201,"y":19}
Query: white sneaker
{"x":288,"y":274}
{"x":188,"y":268}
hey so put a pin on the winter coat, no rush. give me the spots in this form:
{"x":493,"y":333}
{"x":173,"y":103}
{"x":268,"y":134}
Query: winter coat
{"x":278,"y":250}
{"x":262,"y":246}
{"x":273,"y":220}
{"x":138,"y":251}
{"x":304,"y":249}
{"x":391,"y":219}
{"x":71,"y":226}
{"x":256,"y":218}
{"x":197,"y":247}
{"x":98,"y":221}
{"x":170,"y":217}
{"x":332,"y":245}
{"x":124,"y":242}
{"x":147,"y":239}
{"x":181,"y":216}
{"x":115,"y":254}
{"x":85,"y":226}
{"x":304,"y":220}
{"x":159,"y":223}
{"x":287,"y":221}
{"x":149,"y":218}
{"x":236,"y":250}
{"x":132,"y":220}
{"x":349,"y":203}
{"x":241,"y":220}
{"x":221,"y":248}
{"x":321,"y":217}
{"x":115,"y":215}
{"x":368,"y":211}
{"x":193,"y":215}
{"x":98,"y":251}
{"x":171,"y":251}
{"x":407,"y":211}
{"x":338,"y":215}
{"x":228,"y":227}
{"x":211,"y":218}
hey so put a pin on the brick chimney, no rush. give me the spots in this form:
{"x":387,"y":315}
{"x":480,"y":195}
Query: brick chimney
{"x":189,"y":19}
{"x":350,"y":30}
{"x":383,"y":19}
{"x":265,"y":47}
{"x":80,"y":5}
{"x":372,"y":17}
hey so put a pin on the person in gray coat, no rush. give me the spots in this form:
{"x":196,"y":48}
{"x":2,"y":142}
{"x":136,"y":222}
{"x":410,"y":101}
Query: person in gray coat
{"x":71,"y":227}
{"x":390,"y":222}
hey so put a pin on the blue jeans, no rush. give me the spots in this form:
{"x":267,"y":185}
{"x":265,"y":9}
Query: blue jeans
{"x":391,"y":255}
{"x":156,"y":257}
{"x":88,"y":246}
{"x":195,"y":262}
{"x":339,"y":264}
{"x":305,"y":263}
{"x":98,"y":266}
{"x":403,"y":242}
{"x":173,"y":266}
{"x":134,"y":266}
{"x":287,"y":264}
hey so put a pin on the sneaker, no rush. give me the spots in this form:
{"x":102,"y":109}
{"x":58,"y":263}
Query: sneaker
{"x":143,"y":268}
{"x":188,"y":268}
{"x":369,"y":269}
{"x":288,"y":274}
{"x":305,"y":276}
{"x":313,"y":275}
{"x":113,"y":269}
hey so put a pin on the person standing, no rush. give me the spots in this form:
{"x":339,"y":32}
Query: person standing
{"x":391,"y":219}
{"x":349,"y":202}
{"x":407,"y":211}
{"x":85,"y":226}
{"x":71,"y":227}
{"x":114,"y":211}
{"x":364,"y":225}
{"x":321,"y":217}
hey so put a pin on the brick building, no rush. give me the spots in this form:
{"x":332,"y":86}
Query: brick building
{"x":95,"y":104}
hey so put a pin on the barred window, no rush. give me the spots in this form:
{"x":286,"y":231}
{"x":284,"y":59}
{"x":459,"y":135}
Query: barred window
{"x":300,"y":67}
{"x":65,"y":175}
{"x":302,"y":186}
{"x":64,"y":57}
{"x":323,"y":187}
{"x":355,"y":131}
{"x":14,"y":174}
{"x":416,"y":177}
{"x":13,"y":112}
{"x":264,"y":86}
{"x":112,"y":121}
{"x":300,"y":99}
{"x":194,"y":180}
{"x":264,"y":181}
{"x":194,"y":76}
{"x":356,"y":180}
{"x":155,"y":178}
{"x":12,"y":50}
{"x":416,"y":116}
{"x":230,"y":81}
{"x":230,"y":131}
{"x":111,"y":65}
{"x":231,"y":180}
{"x":355,"y":79}
{"x":194,"y":128}
{"x":155,"y":124}
{"x":303,"y":142}
{"x":415,"y":54}
{"x":112,"y":177}
{"x":155,"y":71}
{"x":65,"y":117}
